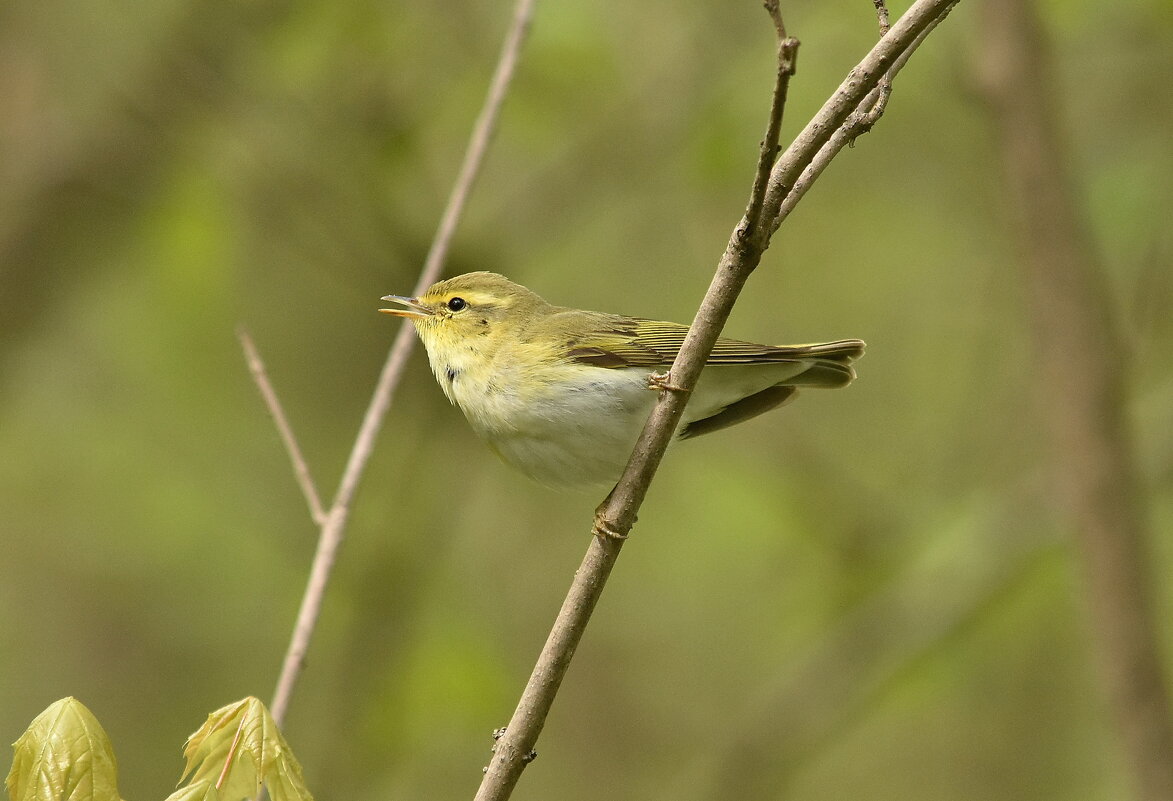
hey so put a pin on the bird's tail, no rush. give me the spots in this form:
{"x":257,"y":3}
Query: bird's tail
{"x":830,"y":363}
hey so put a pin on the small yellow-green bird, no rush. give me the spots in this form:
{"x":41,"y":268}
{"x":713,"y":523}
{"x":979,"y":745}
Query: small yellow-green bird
{"x":563,"y":394}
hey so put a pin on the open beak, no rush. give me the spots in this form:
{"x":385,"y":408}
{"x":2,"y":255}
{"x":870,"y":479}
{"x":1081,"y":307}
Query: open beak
{"x":414,"y":310}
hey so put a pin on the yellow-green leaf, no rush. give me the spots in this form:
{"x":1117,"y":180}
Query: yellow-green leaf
{"x":244,"y":737}
{"x":203,"y":790}
{"x":64,"y":755}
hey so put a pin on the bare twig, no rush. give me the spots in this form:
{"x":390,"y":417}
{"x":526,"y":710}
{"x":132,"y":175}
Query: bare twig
{"x":884,"y":91}
{"x":882,"y":16}
{"x":859,"y":123}
{"x":334,"y":528}
{"x":301,"y":470}
{"x":858,"y":84}
{"x":616,"y":515}
{"x":774,"y":9}
{"x":787,"y":53}
{"x":1084,"y":399}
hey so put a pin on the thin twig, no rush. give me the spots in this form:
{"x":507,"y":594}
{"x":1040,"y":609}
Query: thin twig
{"x":858,"y":84}
{"x":786,"y":60}
{"x":334,"y":529}
{"x":301,"y":470}
{"x":617,"y":514}
{"x":774,"y":9}
{"x":847,"y":133}
{"x":884,"y":91}
{"x":882,"y":16}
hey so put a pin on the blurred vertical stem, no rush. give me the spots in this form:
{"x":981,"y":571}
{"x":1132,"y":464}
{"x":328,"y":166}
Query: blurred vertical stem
{"x":616,"y":515}
{"x":1083,"y":388}
{"x":333,"y":530}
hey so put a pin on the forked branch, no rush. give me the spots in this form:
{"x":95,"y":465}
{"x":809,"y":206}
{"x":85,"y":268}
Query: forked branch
{"x":751,"y":237}
{"x":333,"y":523}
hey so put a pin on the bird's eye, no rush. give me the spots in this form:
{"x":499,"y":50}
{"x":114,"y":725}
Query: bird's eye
{"x":456,"y":304}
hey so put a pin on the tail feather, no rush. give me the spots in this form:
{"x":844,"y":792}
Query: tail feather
{"x":828,"y":365}
{"x":843,"y":350}
{"x":825,"y":374}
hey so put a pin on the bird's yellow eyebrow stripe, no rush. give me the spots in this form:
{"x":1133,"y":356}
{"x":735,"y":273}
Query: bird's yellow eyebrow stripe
{"x":474,"y":298}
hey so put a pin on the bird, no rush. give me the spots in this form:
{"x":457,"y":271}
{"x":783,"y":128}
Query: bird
{"x":562,"y":393}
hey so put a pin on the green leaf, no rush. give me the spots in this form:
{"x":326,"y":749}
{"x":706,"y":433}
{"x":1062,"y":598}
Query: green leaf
{"x":64,"y":755}
{"x":244,"y":737}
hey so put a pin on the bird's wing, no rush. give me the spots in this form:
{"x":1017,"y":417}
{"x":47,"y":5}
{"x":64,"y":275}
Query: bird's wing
{"x":617,"y":342}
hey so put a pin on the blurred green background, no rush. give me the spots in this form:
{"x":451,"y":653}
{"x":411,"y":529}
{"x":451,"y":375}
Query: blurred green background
{"x":868,"y":595}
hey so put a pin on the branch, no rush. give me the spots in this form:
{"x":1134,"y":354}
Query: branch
{"x":1083,"y":399}
{"x":885,"y":88}
{"x":616,"y":515}
{"x":858,"y":123}
{"x":849,"y":97}
{"x":334,"y":528}
{"x":787,"y":53}
{"x":301,"y":470}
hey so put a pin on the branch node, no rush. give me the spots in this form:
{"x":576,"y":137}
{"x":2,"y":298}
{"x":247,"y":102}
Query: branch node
{"x":788,"y":55}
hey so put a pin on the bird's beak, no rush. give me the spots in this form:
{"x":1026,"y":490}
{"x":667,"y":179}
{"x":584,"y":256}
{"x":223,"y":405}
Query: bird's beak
{"x":414,"y":310}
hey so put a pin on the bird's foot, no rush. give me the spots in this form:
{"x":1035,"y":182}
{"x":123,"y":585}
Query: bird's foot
{"x":661,"y":382}
{"x":603,"y":530}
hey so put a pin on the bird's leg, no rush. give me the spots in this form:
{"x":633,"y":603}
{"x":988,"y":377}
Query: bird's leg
{"x":601,"y":528}
{"x":661,"y":382}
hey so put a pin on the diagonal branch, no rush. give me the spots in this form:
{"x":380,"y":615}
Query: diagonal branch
{"x":301,"y":469}
{"x":616,"y":516}
{"x":849,"y":98}
{"x":333,"y":530}
{"x":858,"y":123}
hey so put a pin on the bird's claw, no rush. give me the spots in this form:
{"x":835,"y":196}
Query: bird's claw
{"x":661,"y":382}
{"x":603,"y":530}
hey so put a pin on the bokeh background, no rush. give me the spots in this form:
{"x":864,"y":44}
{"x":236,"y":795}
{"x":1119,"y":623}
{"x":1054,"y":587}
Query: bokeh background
{"x":873,"y":593}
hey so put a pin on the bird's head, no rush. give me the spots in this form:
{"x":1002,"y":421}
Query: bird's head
{"x":471,"y":313}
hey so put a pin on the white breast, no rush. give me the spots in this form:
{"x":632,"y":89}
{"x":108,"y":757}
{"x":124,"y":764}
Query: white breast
{"x":578,"y":426}
{"x":567,"y":433}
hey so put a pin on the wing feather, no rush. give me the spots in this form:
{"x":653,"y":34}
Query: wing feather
{"x":617,"y":342}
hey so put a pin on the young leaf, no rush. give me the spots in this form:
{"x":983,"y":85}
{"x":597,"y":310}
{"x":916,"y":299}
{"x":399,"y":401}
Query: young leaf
{"x":203,"y":790}
{"x":64,"y":755}
{"x":238,"y":749}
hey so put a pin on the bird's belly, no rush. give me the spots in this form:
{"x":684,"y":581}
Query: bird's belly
{"x":574,"y":432}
